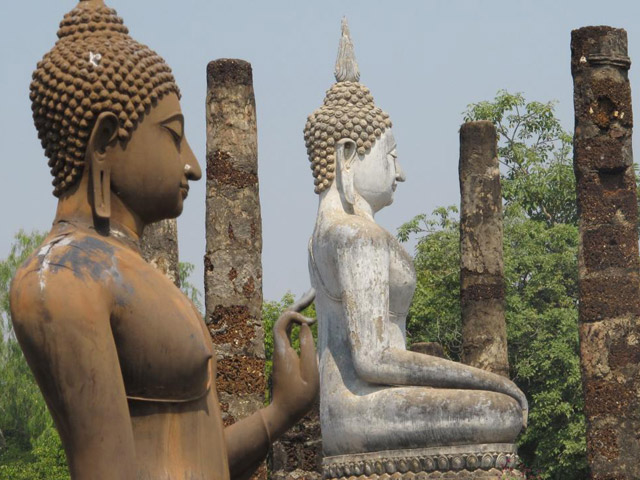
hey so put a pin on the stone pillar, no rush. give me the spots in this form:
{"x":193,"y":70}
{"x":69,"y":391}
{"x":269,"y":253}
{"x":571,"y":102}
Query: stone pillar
{"x":608,"y":264}
{"x":159,"y":245}
{"x":233,"y":260}
{"x":484,"y":331}
{"x":297,"y":455}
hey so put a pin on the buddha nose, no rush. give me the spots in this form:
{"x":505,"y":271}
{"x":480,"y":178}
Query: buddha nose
{"x":400,"y":176}
{"x":192,"y":168}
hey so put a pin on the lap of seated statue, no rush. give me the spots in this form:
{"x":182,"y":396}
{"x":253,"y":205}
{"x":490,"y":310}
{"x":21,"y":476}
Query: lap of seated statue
{"x":394,"y":418}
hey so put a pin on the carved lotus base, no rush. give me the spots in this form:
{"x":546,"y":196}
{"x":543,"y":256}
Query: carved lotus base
{"x":486,"y":461}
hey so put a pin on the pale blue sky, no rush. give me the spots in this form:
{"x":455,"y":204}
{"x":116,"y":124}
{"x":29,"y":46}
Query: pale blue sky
{"x":424,"y":61}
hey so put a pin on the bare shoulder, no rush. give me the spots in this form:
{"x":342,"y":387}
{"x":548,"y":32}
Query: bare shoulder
{"x":353,"y":231}
{"x":349,"y":245}
{"x":61,"y":307}
{"x":66,"y":273}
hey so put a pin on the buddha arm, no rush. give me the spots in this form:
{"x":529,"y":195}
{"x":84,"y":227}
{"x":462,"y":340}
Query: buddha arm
{"x":248,"y":440}
{"x":362,"y":264}
{"x":247,"y":445}
{"x":63,"y":325}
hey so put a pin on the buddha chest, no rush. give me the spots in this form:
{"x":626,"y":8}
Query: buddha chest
{"x":402,"y":279}
{"x":162,"y":343}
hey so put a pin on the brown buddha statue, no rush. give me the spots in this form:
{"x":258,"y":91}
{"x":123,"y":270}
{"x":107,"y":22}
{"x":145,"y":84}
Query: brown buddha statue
{"x":122,"y":357}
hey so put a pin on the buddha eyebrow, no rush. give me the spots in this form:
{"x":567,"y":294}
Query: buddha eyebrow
{"x":176,"y":117}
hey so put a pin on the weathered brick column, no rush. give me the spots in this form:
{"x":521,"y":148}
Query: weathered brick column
{"x":484,"y":331}
{"x":159,"y":245}
{"x":233,"y":260}
{"x":609,"y":268}
{"x":297,"y":455}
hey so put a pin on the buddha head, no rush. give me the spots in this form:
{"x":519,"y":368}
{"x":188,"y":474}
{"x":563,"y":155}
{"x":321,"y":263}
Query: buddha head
{"x":349,"y":139}
{"x":98,"y":99}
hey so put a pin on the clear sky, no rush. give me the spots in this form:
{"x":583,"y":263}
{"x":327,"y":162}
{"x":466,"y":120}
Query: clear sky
{"x":424,"y":62}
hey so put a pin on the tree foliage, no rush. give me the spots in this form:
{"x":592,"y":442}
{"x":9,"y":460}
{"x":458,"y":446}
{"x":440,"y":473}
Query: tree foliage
{"x":534,"y":152}
{"x":540,"y":255}
{"x":435,"y":317}
{"x":185,"y":269}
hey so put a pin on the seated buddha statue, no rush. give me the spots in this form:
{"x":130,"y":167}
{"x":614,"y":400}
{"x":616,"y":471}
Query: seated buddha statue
{"x":123,"y":358}
{"x":375,"y":394}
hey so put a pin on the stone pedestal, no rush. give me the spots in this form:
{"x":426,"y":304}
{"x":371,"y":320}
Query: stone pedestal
{"x":487,"y":461}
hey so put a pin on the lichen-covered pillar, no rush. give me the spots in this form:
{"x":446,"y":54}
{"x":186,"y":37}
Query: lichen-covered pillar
{"x":159,"y":245}
{"x":233,"y":260}
{"x":484,"y":331}
{"x":608,"y":264}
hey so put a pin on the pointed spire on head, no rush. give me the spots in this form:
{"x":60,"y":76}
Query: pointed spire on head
{"x":346,"y":65}
{"x":348,"y":112}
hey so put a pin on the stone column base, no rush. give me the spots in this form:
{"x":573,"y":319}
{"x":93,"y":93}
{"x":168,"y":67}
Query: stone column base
{"x":485,"y":461}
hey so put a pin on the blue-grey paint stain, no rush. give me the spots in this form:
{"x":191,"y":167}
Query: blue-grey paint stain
{"x":87,"y":255}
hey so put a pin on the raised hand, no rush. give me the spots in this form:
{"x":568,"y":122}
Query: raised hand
{"x":295,"y":388}
{"x":295,"y":379}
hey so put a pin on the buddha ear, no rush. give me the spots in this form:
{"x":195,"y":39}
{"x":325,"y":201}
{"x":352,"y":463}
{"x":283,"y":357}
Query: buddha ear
{"x":103,"y":135}
{"x":346,"y":153}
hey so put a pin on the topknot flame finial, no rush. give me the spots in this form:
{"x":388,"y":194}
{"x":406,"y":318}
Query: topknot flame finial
{"x":348,"y":112}
{"x":346,"y":65}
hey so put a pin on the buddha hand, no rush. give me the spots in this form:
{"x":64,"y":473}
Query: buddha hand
{"x":295,"y":379}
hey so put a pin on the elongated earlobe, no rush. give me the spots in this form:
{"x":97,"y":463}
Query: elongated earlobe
{"x":347,"y":187}
{"x":103,"y":135}
{"x":346,"y":150}
{"x":101,"y":188}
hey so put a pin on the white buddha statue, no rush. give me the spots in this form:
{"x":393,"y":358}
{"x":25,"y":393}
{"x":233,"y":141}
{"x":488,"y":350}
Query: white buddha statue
{"x":375,"y":394}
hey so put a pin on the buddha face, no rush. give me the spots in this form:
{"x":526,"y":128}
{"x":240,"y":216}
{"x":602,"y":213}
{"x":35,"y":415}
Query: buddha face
{"x":151,"y":173}
{"x":377,"y":173}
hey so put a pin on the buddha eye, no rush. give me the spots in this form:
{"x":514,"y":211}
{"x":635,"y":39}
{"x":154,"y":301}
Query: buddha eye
{"x":176,"y":136}
{"x":175,"y":127}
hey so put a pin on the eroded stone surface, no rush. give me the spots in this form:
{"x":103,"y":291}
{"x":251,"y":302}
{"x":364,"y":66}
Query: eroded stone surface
{"x":484,"y":331}
{"x":609,"y":278}
{"x":298,"y":453}
{"x":488,"y":461}
{"x":159,"y":245}
{"x":233,"y":262}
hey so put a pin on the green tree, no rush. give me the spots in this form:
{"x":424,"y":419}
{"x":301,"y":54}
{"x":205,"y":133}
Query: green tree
{"x":185,"y":269}
{"x":23,"y":245}
{"x":535,"y":154}
{"x":33,"y":449}
{"x":540,"y":253}
{"x":434,"y":316}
